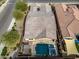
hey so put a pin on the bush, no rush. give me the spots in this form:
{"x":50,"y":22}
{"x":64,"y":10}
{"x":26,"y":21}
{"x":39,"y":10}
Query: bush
{"x":4,"y":51}
{"x":11,"y":38}
{"x":20,"y":9}
{"x":21,"y":5}
{"x":18,"y":14}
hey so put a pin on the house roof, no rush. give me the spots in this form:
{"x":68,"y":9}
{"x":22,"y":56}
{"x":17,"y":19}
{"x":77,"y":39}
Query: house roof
{"x":68,"y":20}
{"x":61,"y":19}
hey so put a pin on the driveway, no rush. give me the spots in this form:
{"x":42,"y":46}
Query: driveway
{"x":40,"y":24}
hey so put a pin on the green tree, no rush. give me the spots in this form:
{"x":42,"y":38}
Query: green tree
{"x":18,"y":14}
{"x":10,"y":39}
{"x":21,"y":5}
{"x":4,"y":51}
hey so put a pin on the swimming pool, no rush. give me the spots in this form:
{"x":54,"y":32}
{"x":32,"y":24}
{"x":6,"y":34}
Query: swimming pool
{"x":45,"y":50}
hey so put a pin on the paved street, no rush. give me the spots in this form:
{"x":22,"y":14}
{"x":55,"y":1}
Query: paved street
{"x":40,"y":24}
{"x":6,"y":16}
{"x":46,"y":1}
{"x":42,"y":1}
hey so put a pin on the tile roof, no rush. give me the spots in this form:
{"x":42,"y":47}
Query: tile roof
{"x":68,"y":20}
{"x":61,"y":19}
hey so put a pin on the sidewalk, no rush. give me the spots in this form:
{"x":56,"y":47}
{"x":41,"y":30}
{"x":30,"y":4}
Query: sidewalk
{"x":3,"y":6}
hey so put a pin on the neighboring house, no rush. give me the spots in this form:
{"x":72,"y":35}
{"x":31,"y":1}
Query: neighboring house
{"x":68,"y":18}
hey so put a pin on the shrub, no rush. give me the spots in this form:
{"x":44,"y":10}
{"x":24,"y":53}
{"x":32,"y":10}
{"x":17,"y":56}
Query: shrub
{"x":21,"y":5}
{"x":18,"y":14}
{"x":11,"y":38}
{"x":4,"y":51}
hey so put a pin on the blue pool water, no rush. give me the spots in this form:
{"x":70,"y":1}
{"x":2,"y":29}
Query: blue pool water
{"x":45,"y":50}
